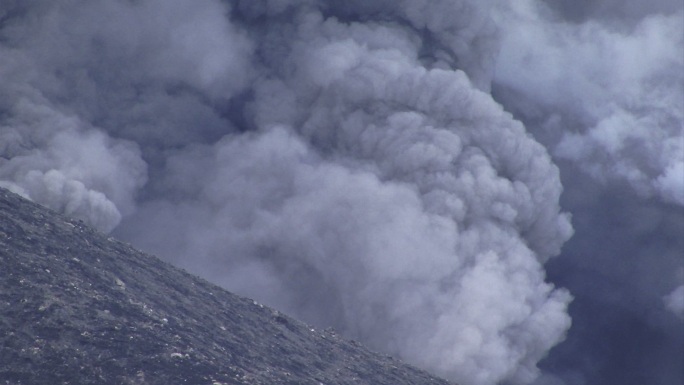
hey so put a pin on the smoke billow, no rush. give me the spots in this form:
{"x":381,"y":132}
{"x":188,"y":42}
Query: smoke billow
{"x":608,"y":91}
{"x":345,"y":161}
{"x":600,"y":85}
{"x":675,"y":301}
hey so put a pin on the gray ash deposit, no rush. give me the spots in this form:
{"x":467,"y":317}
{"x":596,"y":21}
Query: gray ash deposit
{"x":77,"y":307}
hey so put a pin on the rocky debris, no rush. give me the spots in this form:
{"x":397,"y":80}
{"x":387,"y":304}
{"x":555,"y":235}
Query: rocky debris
{"x":77,"y":307}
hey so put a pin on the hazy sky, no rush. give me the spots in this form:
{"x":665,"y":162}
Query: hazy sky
{"x":491,"y":190}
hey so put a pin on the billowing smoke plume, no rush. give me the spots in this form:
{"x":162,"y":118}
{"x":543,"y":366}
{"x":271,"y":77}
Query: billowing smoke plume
{"x":607,"y":91}
{"x":600,"y":84}
{"x":331,"y":159}
{"x":344,"y":160}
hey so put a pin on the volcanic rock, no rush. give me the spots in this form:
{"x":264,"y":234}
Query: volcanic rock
{"x":77,"y":307}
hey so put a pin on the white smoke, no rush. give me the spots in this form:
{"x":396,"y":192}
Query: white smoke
{"x":608,"y":92}
{"x":600,"y":84}
{"x":675,"y":301}
{"x":57,"y":160}
{"x":86,"y":84}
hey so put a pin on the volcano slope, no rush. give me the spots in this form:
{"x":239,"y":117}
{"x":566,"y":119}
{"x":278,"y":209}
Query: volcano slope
{"x":77,"y":307}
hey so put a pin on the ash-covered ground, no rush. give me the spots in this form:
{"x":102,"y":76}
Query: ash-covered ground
{"x":77,"y":307}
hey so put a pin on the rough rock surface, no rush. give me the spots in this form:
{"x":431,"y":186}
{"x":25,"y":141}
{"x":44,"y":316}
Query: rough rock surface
{"x":77,"y":307}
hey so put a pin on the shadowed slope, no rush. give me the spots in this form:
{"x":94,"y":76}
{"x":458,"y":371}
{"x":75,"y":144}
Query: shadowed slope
{"x":77,"y":307}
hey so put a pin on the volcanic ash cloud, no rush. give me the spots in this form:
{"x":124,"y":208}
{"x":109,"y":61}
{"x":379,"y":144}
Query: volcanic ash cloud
{"x":342,"y":162}
{"x":607,"y":91}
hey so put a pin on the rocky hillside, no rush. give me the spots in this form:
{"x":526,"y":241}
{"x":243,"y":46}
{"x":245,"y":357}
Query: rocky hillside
{"x":77,"y":307}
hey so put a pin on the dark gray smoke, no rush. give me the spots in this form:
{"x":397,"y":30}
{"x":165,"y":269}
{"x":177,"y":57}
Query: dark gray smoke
{"x":345,"y":161}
